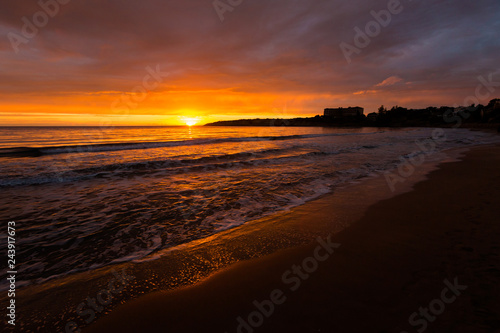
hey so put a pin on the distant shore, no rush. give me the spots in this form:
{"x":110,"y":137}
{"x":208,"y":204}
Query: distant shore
{"x":403,"y":254}
{"x":321,"y":121}
{"x":474,"y":116}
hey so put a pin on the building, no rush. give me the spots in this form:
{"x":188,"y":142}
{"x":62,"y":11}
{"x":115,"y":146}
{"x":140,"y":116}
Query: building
{"x":372,"y":116}
{"x":341,"y":113}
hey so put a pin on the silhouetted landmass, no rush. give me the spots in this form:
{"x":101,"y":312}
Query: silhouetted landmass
{"x":445,"y":116}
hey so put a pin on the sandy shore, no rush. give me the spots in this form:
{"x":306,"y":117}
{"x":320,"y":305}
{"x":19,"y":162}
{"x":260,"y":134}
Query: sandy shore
{"x":425,"y":260}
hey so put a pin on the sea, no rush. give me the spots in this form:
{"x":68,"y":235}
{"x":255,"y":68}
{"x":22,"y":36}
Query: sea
{"x":88,"y":197}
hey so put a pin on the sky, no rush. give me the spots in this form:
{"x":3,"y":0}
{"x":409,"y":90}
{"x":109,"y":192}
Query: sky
{"x":165,"y":62}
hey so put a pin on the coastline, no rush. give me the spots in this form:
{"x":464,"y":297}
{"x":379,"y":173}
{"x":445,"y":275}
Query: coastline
{"x":188,"y":264}
{"x":392,"y":261}
{"x":197,"y":261}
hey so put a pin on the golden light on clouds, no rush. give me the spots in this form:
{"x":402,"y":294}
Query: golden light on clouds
{"x":85,"y":66}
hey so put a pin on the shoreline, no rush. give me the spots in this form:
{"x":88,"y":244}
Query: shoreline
{"x":190,"y":263}
{"x":391,"y":261}
{"x":199,"y":260}
{"x":182,"y":266}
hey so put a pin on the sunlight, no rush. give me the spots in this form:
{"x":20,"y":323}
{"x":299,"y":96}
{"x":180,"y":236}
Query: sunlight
{"x":189,"y":121}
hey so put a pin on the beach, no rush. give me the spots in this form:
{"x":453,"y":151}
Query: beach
{"x":395,"y":260}
{"x":315,"y":221}
{"x":250,"y":166}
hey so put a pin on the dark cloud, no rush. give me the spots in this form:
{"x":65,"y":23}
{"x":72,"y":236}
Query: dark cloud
{"x":261,"y":47}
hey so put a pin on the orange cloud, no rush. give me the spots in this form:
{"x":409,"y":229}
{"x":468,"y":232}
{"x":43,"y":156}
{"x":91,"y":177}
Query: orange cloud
{"x":269,"y":60}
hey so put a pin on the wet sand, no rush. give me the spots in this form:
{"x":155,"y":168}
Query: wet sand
{"x":435,"y":247}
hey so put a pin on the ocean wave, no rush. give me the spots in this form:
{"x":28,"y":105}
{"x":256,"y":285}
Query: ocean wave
{"x":167,"y":167}
{"x":138,"y":208}
{"x":176,"y":166}
{"x":106,"y":147}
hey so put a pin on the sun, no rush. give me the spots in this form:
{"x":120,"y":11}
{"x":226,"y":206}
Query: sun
{"x":190,"y":121}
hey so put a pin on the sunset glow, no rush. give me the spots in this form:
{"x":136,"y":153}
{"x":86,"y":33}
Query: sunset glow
{"x":190,"y":121}
{"x":83,"y":67}
{"x":186,"y":166}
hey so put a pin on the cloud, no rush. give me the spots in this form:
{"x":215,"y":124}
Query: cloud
{"x":276,"y":49}
{"x":390,"y":81}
